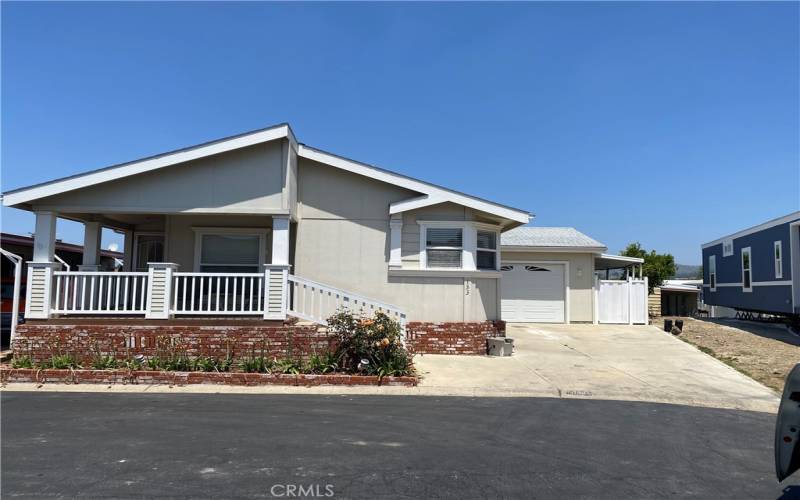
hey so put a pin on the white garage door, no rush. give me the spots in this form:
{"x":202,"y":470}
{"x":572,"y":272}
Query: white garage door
{"x":533,"y":292}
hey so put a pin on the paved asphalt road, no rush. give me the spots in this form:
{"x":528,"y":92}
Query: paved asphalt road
{"x":242,"y":446}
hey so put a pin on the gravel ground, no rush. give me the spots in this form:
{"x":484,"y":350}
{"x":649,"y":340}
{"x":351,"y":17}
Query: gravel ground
{"x":763,"y":351}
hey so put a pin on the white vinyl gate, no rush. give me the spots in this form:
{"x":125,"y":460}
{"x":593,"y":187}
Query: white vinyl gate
{"x":621,"y":302}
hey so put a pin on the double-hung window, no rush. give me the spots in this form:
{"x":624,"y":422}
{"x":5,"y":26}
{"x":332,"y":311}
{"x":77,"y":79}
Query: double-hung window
{"x":229,"y":251}
{"x":747,"y":276}
{"x":444,"y":247}
{"x":712,"y":272}
{"x":486,"y":254}
{"x":778,"y":260}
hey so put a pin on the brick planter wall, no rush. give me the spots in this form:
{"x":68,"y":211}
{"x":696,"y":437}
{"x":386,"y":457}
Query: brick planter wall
{"x":41,"y":341}
{"x":20,"y":375}
{"x":452,"y":338}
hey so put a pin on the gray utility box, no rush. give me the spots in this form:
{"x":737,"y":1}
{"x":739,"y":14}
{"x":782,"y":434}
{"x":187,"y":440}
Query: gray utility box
{"x":500,"y":346}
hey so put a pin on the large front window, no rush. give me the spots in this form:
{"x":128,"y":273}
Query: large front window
{"x":443,"y":247}
{"x":230,"y":252}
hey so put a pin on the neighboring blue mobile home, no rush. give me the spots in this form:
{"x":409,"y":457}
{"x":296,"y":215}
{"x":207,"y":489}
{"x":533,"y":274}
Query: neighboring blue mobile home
{"x":756,"y":269}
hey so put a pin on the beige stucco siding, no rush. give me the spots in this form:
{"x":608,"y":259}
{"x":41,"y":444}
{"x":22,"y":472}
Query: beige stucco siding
{"x":343,"y":241}
{"x":245,"y":180}
{"x":581,"y":271}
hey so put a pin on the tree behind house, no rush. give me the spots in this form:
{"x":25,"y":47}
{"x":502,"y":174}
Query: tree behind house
{"x":657,"y":267}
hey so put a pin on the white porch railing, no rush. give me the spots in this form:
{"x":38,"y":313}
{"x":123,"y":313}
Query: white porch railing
{"x":85,"y":292}
{"x":316,"y":302}
{"x":162,"y":292}
{"x":218,"y":293}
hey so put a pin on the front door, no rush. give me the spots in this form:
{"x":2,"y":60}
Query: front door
{"x":147,"y":247}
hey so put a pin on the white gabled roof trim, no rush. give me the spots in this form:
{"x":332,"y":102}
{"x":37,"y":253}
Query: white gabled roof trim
{"x":750,"y":230}
{"x":435,"y":194}
{"x":66,"y":184}
{"x":432,"y":194}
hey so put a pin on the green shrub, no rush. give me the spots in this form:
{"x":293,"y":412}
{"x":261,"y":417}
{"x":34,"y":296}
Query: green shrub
{"x":209,"y":364}
{"x":371,"y":346}
{"x":61,"y":362}
{"x":287,"y":366}
{"x":104,"y":362}
{"x":328,"y":362}
{"x":22,"y":362}
{"x":255,"y":364}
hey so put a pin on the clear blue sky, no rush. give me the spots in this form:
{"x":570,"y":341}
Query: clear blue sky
{"x":667,"y":123}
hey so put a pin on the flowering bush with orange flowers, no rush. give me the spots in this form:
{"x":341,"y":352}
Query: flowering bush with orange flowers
{"x":369,"y":345}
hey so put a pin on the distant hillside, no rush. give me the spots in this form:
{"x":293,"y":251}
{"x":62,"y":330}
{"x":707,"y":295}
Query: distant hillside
{"x":685,"y":271}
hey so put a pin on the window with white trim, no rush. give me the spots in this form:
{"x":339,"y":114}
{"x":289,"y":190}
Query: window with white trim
{"x":444,"y":247}
{"x":230,"y":252}
{"x":727,"y":248}
{"x":486,"y":254}
{"x":747,"y":275}
{"x":712,"y":272}
{"x":778,"y":259}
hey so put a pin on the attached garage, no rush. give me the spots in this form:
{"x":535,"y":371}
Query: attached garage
{"x":534,"y":292}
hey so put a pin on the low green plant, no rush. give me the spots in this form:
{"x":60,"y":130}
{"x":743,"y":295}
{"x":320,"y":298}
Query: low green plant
{"x":131,"y":364}
{"x":255,"y":364}
{"x":209,"y":364}
{"x":22,"y":362}
{"x":287,"y":366}
{"x":61,"y":362}
{"x":320,"y":364}
{"x":104,"y":363}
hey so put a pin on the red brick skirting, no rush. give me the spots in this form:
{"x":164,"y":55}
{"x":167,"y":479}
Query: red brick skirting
{"x":189,"y":378}
{"x":41,"y":341}
{"x":452,"y":338}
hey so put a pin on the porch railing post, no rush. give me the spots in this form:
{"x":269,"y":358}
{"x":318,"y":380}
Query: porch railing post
{"x":276,"y":291}
{"x":159,"y":289}
{"x":39,"y":293}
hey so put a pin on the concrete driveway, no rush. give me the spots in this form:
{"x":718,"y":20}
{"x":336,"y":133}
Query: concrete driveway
{"x":618,"y":362}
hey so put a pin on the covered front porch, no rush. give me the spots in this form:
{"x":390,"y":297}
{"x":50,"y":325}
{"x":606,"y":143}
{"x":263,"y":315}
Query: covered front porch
{"x":191,"y":266}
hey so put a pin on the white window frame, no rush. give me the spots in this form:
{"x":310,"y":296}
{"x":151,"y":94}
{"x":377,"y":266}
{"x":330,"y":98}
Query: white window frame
{"x":199,"y":232}
{"x":469,"y":244}
{"x":777,"y":247}
{"x":495,"y":250}
{"x":712,"y":272}
{"x":727,"y":247}
{"x":750,"y":270}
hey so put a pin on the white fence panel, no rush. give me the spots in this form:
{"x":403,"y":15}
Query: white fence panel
{"x":622,"y":302}
{"x":218,"y":293}
{"x":84,"y":292}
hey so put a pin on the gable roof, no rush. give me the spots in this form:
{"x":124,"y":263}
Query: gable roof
{"x":431,"y":192}
{"x":549,"y":237}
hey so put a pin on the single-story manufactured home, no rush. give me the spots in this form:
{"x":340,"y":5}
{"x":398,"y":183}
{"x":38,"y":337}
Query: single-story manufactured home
{"x":261,"y":225}
{"x":755,"y":270}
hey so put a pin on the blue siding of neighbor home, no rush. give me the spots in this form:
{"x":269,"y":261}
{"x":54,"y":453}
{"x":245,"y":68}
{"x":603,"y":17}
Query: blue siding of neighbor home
{"x":773,"y":298}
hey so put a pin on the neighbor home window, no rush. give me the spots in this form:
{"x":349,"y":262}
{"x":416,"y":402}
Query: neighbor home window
{"x":487,"y":250}
{"x":443,"y":247}
{"x":747,"y":283}
{"x":727,"y":248}
{"x":229,"y":252}
{"x":712,"y":272}
{"x":778,"y":260}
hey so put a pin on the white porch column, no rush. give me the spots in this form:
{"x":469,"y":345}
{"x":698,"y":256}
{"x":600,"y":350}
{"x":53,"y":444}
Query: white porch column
{"x":44,"y":239}
{"x":396,"y":242}
{"x":39,"y":293}
{"x":280,"y":239}
{"x":159,"y":289}
{"x":91,"y":245}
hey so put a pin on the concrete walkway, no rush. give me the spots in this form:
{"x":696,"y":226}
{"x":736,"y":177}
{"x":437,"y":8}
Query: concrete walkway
{"x":618,"y":362}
